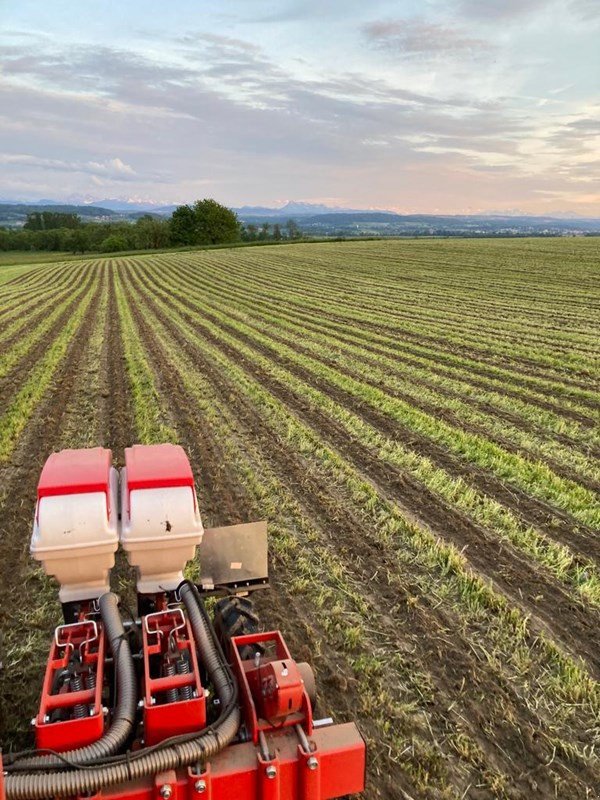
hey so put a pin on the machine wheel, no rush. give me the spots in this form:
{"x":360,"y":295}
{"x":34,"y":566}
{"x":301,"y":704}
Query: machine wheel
{"x":310,"y":684}
{"x":234,"y":616}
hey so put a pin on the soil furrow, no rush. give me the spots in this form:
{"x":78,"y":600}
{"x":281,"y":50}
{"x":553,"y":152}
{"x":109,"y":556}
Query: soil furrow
{"x":433,"y":637}
{"x":550,"y":605}
{"x":550,"y":520}
{"x":19,"y":372}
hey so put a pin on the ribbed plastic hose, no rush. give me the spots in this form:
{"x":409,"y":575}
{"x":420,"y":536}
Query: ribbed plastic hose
{"x":124,"y":716}
{"x":34,"y":786}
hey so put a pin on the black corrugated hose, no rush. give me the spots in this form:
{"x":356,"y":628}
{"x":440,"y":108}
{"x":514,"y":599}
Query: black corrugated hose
{"x":76,"y":778}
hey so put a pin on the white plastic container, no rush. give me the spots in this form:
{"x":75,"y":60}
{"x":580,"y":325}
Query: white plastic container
{"x":160,"y":521}
{"x":75,"y":529}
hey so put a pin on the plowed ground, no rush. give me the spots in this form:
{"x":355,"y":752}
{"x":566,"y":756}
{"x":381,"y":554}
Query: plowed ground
{"x":418,"y":421}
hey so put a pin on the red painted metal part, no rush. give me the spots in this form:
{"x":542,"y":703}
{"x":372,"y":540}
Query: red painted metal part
{"x":167,"y":636}
{"x":76,"y":472}
{"x":87,"y":639}
{"x":154,"y":466}
{"x":281,"y":689}
{"x":239,"y":773}
{"x":250,"y":678}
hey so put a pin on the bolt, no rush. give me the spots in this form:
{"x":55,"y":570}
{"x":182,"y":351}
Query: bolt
{"x":200,"y":786}
{"x":271,"y":771}
{"x":312,"y":763}
{"x":166,"y":791}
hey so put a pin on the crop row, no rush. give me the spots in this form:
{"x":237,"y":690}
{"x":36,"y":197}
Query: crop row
{"x":21,"y":406}
{"x":533,"y":477}
{"x":329,"y":309}
{"x":311,"y":560}
{"x":427,"y":307}
{"x":408,"y":302}
{"x":419,"y":383}
{"x":385,"y":520}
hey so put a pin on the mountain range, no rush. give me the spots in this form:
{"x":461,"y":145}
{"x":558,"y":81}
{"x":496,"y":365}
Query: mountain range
{"x":317,"y":219}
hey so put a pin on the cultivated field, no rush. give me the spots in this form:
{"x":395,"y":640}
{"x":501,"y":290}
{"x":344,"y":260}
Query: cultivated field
{"x":418,"y":422}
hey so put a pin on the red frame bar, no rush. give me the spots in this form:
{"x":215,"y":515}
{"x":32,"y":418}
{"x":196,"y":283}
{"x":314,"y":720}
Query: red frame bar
{"x":163,"y":719}
{"x":72,"y":733}
{"x":237,"y":772}
{"x":245,"y":668}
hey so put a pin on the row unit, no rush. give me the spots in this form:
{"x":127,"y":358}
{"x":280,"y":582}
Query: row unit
{"x":85,"y":506}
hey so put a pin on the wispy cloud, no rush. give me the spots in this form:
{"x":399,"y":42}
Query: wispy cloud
{"x":418,"y":38}
{"x":113,"y":168}
{"x":435,"y":112}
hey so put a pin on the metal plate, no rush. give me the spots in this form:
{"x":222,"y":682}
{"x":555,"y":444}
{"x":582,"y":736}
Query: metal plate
{"x":234,"y":557}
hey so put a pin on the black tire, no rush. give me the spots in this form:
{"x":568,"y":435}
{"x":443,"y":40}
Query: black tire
{"x":235,"y":616}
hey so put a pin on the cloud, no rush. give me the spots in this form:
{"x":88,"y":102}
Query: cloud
{"x":494,"y":10}
{"x":587,"y":10}
{"x":218,"y":115}
{"x":113,"y":168}
{"x":419,"y":38}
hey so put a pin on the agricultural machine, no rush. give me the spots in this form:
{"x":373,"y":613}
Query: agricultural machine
{"x":166,"y":701}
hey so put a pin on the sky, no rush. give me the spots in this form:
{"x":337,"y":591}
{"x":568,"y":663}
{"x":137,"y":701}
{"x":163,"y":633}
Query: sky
{"x":430,"y":106}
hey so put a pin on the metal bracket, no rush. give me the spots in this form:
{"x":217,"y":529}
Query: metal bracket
{"x":233,"y":559}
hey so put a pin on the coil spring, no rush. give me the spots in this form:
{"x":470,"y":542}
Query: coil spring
{"x":183,"y":668}
{"x":170,"y":671}
{"x":91,"y":679}
{"x":76,"y":685}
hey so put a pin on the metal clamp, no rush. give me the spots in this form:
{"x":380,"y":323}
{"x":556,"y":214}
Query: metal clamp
{"x":92,"y":623}
{"x":157,"y":631}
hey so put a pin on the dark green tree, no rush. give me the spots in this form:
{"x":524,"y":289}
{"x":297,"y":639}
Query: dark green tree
{"x":183,"y":226}
{"x":114,"y":243}
{"x":293,"y":231}
{"x":249,"y":233}
{"x":277,"y":235}
{"x":78,"y":241}
{"x":47,"y":220}
{"x":151,"y":232}
{"x":214,"y":223}
{"x":263,"y":234}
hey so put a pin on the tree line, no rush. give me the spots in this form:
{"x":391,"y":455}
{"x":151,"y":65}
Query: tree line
{"x":205,"y":222}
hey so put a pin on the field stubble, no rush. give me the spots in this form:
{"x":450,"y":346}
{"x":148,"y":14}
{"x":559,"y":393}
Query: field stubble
{"x":418,"y":422}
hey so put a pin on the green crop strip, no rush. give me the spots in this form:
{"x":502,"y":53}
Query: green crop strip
{"x":318,"y":564}
{"x":25,"y":310}
{"x":15,"y":419}
{"x":534,"y":477}
{"x":320,"y":311}
{"x":483,"y":346}
{"x":150,"y":417}
{"x":474,"y":597}
{"x":435,"y":310}
{"x":269,"y":405}
{"x":383,"y":370}
{"x":21,"y":348}
{"x":580,"y":574}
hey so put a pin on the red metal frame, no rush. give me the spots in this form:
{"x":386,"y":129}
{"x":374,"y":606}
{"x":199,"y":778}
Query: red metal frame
{"x":162,"y":719}
{"x":157,"y":466}
{"x":249,"y":674}
{"x":87,"y":637}
{"x":76,"y":472}
{"x":239,"y":773}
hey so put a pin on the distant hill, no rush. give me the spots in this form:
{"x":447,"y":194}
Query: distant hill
{"x":15,"y":214}
{"x":315,"y":219}
{"x":293,"y":209}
